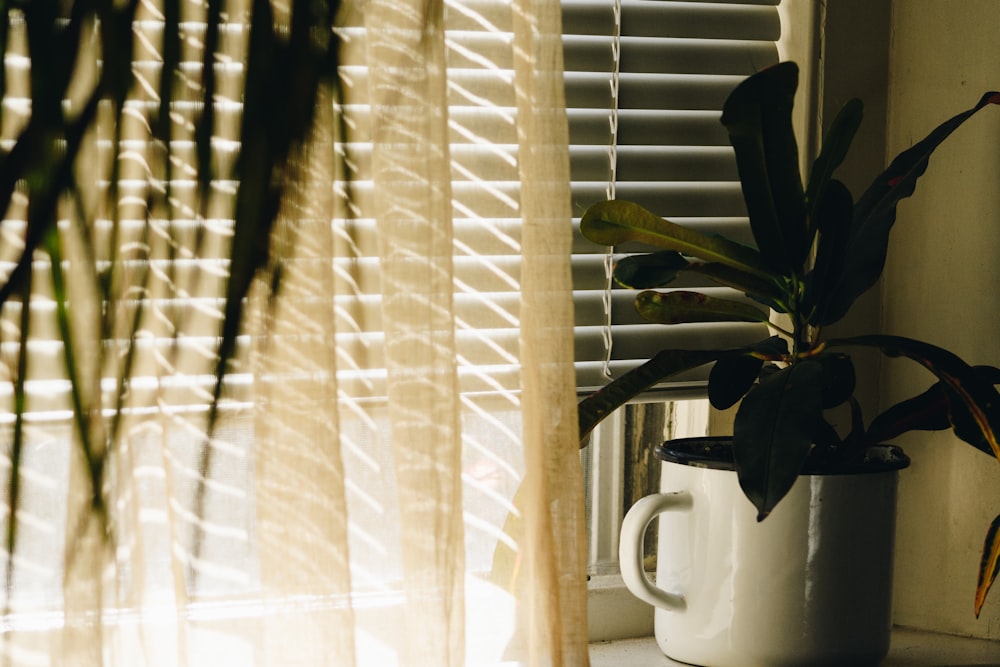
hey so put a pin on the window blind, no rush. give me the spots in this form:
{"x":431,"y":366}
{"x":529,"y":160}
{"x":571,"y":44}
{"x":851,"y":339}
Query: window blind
{"x":645,"y":82}
{"x":645,"y":85}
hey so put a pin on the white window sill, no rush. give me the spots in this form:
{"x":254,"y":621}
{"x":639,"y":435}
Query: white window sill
{"x":910,"y":648}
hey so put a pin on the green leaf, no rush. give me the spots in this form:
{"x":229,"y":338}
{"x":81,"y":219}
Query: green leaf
{"x":764,"y":291}
{"x":973,"y":402}
{"x":615,"y":222}
{"x":17,"y":445}
{"x":926,"y":412}
{"x":734,"y":374}
{"x":965,"y":424}
{"x":825,"y":435}
{"x":835,"y":146}
{"x":838,"y":378}
{"x":770,"y":348}
{"x":49,"y":171}
{"x":857,"y":424}
{"x":651,"y":270}
{"x":731,"y":378}
{"x":989,"y":565}
{"x":79,"y":398}
{"x":773,"y":432}
{"x":279,"y":105}
{"x":667,"y":363}
{"x":758,"y":117}
{"x":681,"y":307}
{"x":834,"y":227}
{"x":875,"y":214}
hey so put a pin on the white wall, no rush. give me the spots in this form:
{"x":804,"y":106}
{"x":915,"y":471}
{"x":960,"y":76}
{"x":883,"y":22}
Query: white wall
{"x":942,"y":285}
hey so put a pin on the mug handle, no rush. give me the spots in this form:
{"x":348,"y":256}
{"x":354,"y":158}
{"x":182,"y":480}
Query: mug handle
{"x":630,"y":555}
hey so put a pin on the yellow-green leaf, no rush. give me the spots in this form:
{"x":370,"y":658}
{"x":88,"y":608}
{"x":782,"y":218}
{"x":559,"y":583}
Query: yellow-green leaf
{"x":680,"y":307}
{"x":615,"y":222}
{"x":989,"y":565}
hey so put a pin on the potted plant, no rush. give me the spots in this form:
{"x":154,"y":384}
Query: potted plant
{"x":816,"y":252}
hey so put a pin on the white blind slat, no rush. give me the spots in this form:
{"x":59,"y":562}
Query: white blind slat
{"x":678,"y":62}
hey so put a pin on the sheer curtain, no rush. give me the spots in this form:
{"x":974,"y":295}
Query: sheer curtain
{"x":394,"y":476}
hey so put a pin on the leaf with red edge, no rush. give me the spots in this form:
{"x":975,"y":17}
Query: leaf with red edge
{"x":926,"y":412}
{"x":989,"y":566}
{"x":973,"y":402}
{"x":875,"y":214}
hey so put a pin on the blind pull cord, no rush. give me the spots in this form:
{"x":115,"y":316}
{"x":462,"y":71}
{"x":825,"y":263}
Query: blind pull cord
{"x":616,"y":49}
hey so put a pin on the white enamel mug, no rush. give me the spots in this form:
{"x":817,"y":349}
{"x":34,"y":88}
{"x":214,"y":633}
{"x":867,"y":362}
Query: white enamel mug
{"x":810,"y":585}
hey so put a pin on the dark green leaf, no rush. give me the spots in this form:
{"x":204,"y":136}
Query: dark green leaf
{"x":875,"y":214}
{"x":117,"y":47}
{"x":838,"y":378}
{"x":647,"y":271}
{"x":615,"y":222}
{"x":17,"y":445}
{"x":769,"y":370}
{"x":773,"y":432}
{"x":770,"y":348}
{"x":731,"y":377}
{"x":734,"y":374}
{"x":835,"y":146}
{"x":48,"y":171}
{"x":825,"y":435}
{"x":926,"y":412}
{"x":680,"y":307}
{"x":856,"y":436}
{"x":973,"y":402}
{"x":663,"y":365}
{"x":760,"y":289}
{"x":834,"y":223}
{"x":279,"y":105}
{"x":79,"y":395}
{"x":758,"y":117}
{"x":141,"y":279}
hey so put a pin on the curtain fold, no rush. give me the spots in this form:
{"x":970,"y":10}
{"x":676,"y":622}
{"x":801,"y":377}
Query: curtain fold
{"x":411,"y":174}
{"x":555,"y":545}
{"x":299,"y":490}
{"x":394,"y":476}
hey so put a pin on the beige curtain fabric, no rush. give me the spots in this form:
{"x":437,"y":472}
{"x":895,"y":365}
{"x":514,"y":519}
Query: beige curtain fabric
{"x":411,"y":174}
{"x":554,"y":545}
{"x":395,"y":478}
